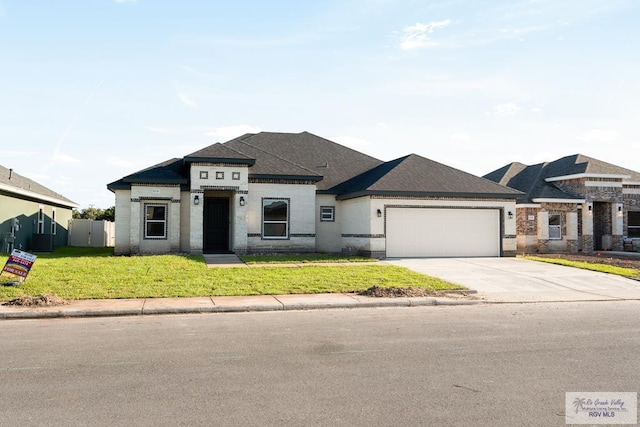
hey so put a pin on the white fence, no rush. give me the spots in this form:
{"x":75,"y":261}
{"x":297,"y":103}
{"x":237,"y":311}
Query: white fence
{"x":87,"y":232}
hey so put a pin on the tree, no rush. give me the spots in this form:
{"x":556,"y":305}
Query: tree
{"x":96,"y":214}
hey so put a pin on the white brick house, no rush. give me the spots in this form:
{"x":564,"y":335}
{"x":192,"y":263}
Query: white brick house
{"x":282,"y":192}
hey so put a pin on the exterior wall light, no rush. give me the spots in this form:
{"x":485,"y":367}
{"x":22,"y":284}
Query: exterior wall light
{"x":379,"y":213}
{"x":196,"y":200}
{"x":510,"y":214}
{"x":242,"y":202}
{"x":619,"y":210}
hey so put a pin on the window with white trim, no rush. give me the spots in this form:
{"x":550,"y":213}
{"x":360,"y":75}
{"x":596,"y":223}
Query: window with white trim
{"x":275,"y":218}
{"x":155,"y":221}
{"x":41,"y":221}
{"x":555,"y":227}
{"x":633,"y":224}
{"x":327,"y":213}
{"x":54,"y":225}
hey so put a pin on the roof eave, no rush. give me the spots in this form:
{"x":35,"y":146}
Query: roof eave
{"x":586,"y":175}
{"x":37,"y":196}
{"x":231,"y":160}
{"x":175,"y":181}
{"x":465,"y":195}
{"x":552,"y":200}
{"x":314,"y":178}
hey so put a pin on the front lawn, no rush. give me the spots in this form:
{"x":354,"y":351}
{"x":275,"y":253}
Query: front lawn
{"x":86,"y":273}
{"x":603,"y":265}
{"x":303,"y":258}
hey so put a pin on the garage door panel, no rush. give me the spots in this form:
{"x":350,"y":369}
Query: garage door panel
{"x":439,"y":232}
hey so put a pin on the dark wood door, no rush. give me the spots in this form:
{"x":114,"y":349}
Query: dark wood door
{"x":216,"y":225}
{"x":601,"y":219}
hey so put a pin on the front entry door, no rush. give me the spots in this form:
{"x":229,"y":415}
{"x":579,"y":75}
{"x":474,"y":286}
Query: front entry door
{"x":216,"y":225}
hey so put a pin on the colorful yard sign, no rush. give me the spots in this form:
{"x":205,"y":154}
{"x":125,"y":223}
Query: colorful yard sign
{"x":19,"y":263}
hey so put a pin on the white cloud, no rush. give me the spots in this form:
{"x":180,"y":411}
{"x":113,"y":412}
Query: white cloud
{"x":417,"y":36}
{"x":461,"y":137}
{"x":159,"y":130}
{"x":536,"y":110}
{"x":226,"y":133}
{"x":119,"y":162}
{"x":38,"y":177}
{"x":349,"y":141}
{"x":64,"y":158}
{"x":508,"y":109}
{"x":16,"y":154}
{"x":187,"y":101}
{"x":600,"y":135}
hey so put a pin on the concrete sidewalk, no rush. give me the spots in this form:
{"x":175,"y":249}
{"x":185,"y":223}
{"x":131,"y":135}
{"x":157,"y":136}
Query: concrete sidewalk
{"x":491,"y":281}
{"x":149,"y":306}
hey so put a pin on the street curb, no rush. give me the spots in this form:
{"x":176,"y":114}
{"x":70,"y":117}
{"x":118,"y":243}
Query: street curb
{"x":359,"y":302}
{"x":22,"y":313}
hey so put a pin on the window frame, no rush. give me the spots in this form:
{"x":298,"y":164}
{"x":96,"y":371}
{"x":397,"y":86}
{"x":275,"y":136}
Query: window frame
{"x":555,"y":230}
{"x":40,"y":220}
{"x":331,"y":210}
{"x":54,"y":224}
{"x":164,"y":221}
{"x":635,"y":228}
{"x":219,"y":175}
{"x":286,"y":222}
{"x":204,"y":174}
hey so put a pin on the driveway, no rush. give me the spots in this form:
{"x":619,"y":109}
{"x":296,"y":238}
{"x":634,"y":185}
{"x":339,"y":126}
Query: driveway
{"x":521,"y":280}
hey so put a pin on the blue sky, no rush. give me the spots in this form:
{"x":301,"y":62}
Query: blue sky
{"x":93,"y":90}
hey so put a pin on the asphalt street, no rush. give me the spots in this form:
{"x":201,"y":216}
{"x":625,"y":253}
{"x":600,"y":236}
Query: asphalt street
{"x":500,"y":365}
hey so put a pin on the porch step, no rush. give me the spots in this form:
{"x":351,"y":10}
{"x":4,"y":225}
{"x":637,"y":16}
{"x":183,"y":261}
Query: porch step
{"x":222,"y":260}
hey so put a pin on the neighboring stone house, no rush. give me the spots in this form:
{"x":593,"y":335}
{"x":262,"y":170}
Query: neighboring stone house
{"x":576,"y":203}
{"x":283,"y":192}
{"x":32,"y":217}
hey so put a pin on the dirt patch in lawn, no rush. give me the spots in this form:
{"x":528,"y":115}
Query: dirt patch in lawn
{"x":399,"y":292}
{"x":615,"y":260}
{"x":39,"y":301}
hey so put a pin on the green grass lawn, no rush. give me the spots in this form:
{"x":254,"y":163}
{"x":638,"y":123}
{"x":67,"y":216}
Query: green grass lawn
{"x":603,"y":268}
{"x":303,"y":258}
{"x":87,"y":273}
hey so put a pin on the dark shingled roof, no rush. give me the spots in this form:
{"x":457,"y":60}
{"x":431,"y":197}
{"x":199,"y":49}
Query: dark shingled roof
{"x":414,"y":175}
{"x":219,"y":153}
{"x":531,"y":179}
{"x":271,"y":159}
{"x":333,"y":162}
{"x":335,"y":168}
{"x":20,"y":182}
{"x":171,"y":171}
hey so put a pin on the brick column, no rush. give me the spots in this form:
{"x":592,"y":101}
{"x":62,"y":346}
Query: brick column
{"x":543,"y":232}
{"x":196,"y":218}
{"x":617,"y":227}
{"x":135,"y":225}
{"x":572,"y":232}
{"x":587,"y":229}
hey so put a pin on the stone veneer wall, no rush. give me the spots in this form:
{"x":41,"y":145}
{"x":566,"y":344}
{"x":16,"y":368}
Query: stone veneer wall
{"x":608,"y":190}
{"x":601,"y":193}
{"x":524,"y":226}
{"x":562,"y":209}
{"x":631,"y":203}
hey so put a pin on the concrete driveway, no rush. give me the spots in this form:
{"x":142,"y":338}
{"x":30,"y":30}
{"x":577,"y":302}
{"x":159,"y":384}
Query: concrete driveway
{"x":521,"y":280}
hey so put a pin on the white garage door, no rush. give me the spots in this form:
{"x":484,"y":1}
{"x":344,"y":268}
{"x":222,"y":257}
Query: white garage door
{"x":436,"y":232}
